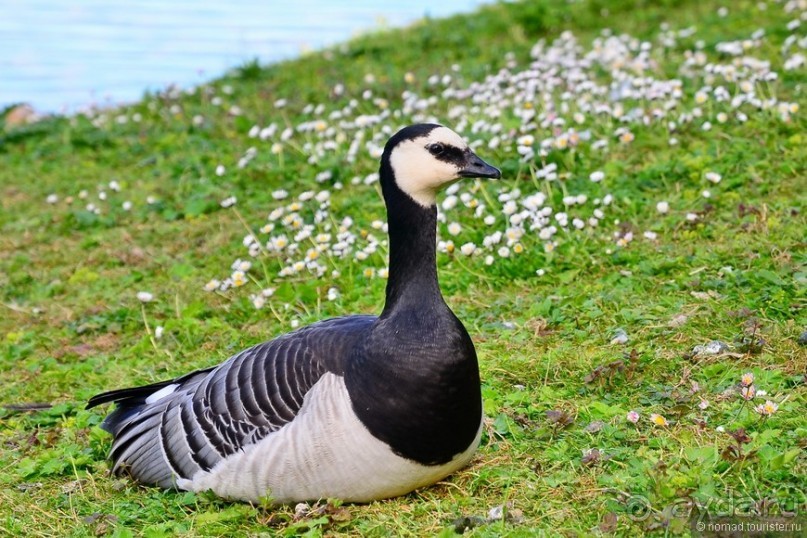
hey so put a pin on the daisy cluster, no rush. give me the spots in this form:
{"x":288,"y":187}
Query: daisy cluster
{"x":98,"y":202}
{"x":745,"y":388}
{"x":568,"y":99}
{"x":749,"y":391}
{"x":701,"y":409}
{"x":300,"y":239}
{"x":555,"y":121}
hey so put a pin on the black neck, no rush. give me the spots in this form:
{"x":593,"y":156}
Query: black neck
{"x":412,"y":255}
{"x":414,"y":382}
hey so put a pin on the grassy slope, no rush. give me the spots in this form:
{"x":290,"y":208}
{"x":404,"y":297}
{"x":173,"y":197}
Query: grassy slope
{"x":543,"y":342}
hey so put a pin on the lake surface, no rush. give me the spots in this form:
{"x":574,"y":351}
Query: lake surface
{"x":61,"y":56}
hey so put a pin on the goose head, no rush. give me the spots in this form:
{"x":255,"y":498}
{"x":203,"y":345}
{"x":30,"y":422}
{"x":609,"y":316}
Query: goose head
{"x":422,"y":159}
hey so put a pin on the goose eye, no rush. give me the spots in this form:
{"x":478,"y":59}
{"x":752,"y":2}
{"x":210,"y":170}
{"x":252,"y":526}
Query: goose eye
{"x":436,"y":149}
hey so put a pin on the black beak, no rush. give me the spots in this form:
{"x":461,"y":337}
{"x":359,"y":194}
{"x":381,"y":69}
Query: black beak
{"x":476,"y":167}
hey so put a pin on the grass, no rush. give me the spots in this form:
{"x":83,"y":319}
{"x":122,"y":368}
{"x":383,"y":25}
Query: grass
{"x":558,"y":451}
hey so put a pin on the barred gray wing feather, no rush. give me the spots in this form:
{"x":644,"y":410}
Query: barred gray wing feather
{"x":208,"y":415}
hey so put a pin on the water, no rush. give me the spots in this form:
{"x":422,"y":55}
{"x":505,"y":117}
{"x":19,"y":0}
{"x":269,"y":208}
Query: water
{"x":60,"y":56}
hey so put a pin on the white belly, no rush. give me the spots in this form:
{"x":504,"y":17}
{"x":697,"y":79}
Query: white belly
{"x":325,"y":452}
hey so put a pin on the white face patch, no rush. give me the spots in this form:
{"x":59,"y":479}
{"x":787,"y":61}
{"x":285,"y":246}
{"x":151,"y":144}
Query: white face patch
{"x":419,"y":173}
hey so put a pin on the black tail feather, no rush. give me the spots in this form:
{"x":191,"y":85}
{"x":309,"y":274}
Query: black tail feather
{"x":130,"y":401}
{"x":134,"y":396}
{"x":130,"y":396}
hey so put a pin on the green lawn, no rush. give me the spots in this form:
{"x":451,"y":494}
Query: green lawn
{"x":644,"y":250}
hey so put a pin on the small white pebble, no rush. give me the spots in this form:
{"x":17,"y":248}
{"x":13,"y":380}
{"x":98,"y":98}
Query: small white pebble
{"x":620,"y":337}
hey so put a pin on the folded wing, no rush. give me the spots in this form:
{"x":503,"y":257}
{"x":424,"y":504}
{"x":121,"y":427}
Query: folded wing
{"x":176,"y":428}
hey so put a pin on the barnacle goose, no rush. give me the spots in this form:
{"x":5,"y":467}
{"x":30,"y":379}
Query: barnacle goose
{"x":358,"y":407}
